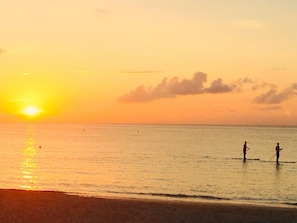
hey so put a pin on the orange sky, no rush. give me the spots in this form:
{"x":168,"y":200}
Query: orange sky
{"x":192,"y":62}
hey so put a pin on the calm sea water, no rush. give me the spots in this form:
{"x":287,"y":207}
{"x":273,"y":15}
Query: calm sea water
{"x":160,"y":161}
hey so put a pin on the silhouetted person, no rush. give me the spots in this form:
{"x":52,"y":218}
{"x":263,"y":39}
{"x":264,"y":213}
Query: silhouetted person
{"x":244,"y":150}
{"x":277,"y":150}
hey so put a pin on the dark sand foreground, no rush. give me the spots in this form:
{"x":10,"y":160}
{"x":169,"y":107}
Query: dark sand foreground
{"x":35,"y":206}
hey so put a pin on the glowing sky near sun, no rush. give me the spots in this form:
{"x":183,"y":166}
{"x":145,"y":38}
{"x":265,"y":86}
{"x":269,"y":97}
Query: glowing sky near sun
{"x":168,"y":61}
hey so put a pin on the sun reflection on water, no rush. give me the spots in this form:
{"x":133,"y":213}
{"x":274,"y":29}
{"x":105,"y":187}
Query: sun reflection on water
{"x":28,"y":164}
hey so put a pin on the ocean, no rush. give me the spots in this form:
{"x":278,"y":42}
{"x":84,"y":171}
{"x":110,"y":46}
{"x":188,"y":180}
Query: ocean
{"x":181,"y":162}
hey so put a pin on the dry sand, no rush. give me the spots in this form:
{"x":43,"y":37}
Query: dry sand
{"x":36,"y":206}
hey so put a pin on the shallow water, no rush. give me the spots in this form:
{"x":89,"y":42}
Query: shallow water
{"x":164,"y":161}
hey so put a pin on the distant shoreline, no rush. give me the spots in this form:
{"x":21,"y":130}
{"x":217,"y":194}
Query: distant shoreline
{"x":48,"y":206}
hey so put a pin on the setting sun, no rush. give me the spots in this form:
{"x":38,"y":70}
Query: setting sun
{"x":31,"y":111}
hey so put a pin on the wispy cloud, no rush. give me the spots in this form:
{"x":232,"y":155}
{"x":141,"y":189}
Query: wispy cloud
{"x":83,"y":72}
{"x":173,"y":87}
{"x":278,"y":69}
{"x":20,"y":50}
{"x":273,"y":97}
{"x":26,"y":74}
{"x":2,"y":50}
{"x":249,"y":24}
{"x":258,"y":86}
{"x":140,"y":72}
{"x":100,"y":11}
{"x":269,"y":108}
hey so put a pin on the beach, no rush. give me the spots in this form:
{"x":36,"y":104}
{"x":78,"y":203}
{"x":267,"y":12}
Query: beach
{"x":48,"y":206}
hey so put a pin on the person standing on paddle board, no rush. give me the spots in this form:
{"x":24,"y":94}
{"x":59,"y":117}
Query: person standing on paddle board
{"x":244,"y":150}
{"x":277,"y":150}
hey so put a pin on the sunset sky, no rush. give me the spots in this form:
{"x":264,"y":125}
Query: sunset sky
{"x":157,"y":61}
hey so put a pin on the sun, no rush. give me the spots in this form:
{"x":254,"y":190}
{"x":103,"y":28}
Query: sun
{"x":31,"y":111}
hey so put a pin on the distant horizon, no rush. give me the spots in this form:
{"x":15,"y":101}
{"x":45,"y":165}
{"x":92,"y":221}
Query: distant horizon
{"x":118,"y":123}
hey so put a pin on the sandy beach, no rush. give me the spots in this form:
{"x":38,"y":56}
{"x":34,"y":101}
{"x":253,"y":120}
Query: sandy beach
{"x":42,"y":206}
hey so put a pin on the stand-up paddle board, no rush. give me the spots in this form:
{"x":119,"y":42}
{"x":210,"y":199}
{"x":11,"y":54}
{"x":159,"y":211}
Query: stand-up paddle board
{"x":255,"y":159}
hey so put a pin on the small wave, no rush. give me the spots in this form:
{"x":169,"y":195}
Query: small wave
{"x":189,"y":196}
{"x":183,"y":196}
{"x":291,"y":204}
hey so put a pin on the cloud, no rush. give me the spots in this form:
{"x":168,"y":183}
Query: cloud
{"x":217,"y":86}
{"x":83,"y":72}
{"x":278,"y":69}
{"x":273,"y":97}
{"x":239,"y":84}
{"x":100,"y":11}
{"x":170,"y":88}
{"x":249,"y":24}
{"x":173,"y":87}
{"x":269,"y":108}
{"x":21,"y":50}
{"x":2,"y":51}
{"x":141,"y":72}
{"x":263,"y":85}
{"x":246,"y":80}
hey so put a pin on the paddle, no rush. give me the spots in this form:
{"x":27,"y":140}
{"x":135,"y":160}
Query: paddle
{"x":242,"y":152}
{"x":274,"y":154}
{"x":272,"y":157}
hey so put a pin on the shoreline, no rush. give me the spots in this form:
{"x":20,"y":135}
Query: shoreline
{"x":50,"y":206}
{"x":176,"y":198}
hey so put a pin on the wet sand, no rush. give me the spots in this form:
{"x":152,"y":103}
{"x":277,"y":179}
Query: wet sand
{"x":37,"y":206}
